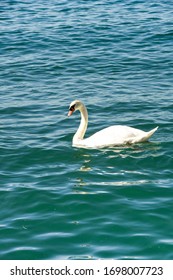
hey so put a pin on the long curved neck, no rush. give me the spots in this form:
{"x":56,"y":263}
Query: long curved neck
{"x":79,"y":135}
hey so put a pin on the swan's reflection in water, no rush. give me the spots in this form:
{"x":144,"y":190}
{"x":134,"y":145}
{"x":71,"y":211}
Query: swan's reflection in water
{"x":118,"y":166}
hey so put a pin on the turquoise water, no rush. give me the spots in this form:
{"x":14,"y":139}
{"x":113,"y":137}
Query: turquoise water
{"x":60,"y":202}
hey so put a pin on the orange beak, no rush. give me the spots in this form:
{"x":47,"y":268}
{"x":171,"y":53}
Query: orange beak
{"x":70,"y":112}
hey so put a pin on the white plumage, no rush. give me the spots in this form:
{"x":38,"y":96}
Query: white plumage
{"x":107,"y":137}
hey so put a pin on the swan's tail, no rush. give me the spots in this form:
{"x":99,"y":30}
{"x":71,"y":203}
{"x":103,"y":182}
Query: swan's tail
{"x":145,"y":136}
{"x":150,"y":133}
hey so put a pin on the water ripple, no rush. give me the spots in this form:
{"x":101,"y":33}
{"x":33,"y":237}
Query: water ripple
{"x":58,"y":202}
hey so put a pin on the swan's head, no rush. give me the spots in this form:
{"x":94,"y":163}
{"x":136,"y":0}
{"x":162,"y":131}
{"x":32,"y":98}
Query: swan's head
{"x":74,"y":106}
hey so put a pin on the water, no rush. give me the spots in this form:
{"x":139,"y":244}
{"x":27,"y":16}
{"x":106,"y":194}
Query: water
{"x":59,"y":202}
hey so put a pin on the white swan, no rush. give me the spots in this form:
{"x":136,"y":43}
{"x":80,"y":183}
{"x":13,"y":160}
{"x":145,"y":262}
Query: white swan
{"x":110,"y":136}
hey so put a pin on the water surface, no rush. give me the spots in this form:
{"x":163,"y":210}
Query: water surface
{"x":59,"y":202}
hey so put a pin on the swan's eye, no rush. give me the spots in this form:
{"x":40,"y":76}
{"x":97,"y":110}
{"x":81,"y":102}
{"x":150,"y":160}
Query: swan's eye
{"x":72,"y":108}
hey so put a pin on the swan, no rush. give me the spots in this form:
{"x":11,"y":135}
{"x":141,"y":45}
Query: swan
{"x":107,"y":137}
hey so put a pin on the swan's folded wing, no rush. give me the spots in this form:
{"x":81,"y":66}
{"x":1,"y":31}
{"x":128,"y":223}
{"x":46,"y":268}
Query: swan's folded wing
{"x":112,"y":135}
{"x":117,"y":135}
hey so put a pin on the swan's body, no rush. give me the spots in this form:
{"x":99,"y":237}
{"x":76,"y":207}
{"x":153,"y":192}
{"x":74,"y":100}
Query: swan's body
{"x":107,"y":137}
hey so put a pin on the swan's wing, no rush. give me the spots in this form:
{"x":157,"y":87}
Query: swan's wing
{"x":117,"y":135}
{"x":112,"y":135}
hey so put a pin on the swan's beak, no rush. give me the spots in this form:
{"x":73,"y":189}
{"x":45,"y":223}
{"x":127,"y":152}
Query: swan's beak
{"x":70,"y":113}
{"x":71,"y":110}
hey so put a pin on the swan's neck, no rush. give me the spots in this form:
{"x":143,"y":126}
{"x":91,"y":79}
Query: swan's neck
{"x":79,"y":135}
